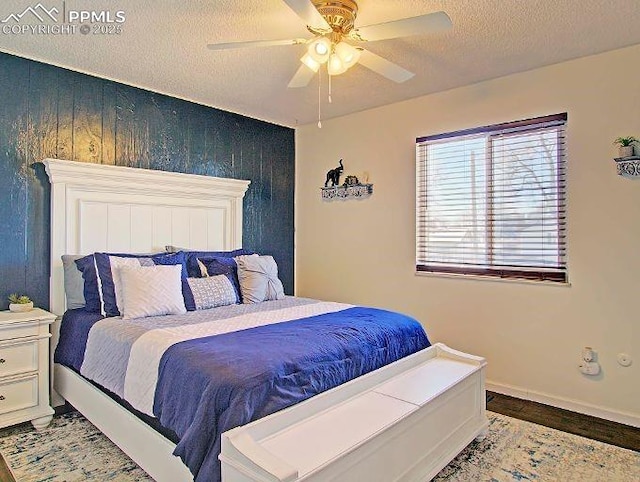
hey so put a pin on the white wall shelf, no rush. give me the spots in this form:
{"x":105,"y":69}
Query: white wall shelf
{"x":628,"y":167}
{"x":358,"y":191}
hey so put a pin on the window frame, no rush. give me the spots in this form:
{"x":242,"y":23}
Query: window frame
{"x":556,"y":274}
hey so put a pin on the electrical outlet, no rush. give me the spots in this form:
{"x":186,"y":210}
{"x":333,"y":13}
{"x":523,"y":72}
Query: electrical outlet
{"x":589,"y":368}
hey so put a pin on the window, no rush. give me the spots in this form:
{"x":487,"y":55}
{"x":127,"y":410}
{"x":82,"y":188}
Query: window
{"x":491,"y":201}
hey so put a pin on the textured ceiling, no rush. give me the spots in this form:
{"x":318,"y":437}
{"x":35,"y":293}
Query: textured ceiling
{"x":163,"y":48}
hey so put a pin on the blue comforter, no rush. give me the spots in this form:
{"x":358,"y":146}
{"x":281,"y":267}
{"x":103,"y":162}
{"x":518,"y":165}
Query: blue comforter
{"x":209,"y":385}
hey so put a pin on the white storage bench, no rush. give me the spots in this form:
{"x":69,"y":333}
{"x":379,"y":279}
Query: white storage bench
{"x":405,"y":421}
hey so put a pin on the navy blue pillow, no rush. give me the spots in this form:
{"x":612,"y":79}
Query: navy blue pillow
{"x":109,"y":306}
{"x":193,"y":269}
{"x":91,"y":293}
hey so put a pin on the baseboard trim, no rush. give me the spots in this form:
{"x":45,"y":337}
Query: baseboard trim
{"x":565,"y":403}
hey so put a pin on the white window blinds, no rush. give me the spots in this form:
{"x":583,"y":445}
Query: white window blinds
{"x":491,"y":201}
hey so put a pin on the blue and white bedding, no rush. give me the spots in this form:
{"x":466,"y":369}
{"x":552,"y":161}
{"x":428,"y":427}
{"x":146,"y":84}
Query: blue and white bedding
{"x":205,"y":372}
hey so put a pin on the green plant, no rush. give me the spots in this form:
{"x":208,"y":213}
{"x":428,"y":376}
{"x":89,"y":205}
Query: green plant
{"x":19,"y":299}
{"x":625,"y":141}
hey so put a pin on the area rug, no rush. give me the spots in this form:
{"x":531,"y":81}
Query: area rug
{"x":71,"y":449}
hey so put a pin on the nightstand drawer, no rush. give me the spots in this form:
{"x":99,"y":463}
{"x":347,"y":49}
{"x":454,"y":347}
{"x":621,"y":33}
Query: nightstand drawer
{"x":18,"y":358}
{"x":18,"y":331}
{"x":19,"y":394}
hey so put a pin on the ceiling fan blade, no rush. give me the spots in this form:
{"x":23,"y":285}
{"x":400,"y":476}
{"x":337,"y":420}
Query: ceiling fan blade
{"x":423,"y":24}
{"x":256,"y":43}
{"x":308,"y":13}
{"x":383,"y":67}
{"x":301,"y":78}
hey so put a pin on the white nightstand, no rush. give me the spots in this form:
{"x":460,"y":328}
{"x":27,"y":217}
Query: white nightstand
{"x":24,"y":367}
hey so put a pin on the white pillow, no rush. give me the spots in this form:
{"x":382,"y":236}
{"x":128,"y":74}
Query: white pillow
{"x":118,"y":265}
{"x":258,"y":276}
{"x":151,"y":291}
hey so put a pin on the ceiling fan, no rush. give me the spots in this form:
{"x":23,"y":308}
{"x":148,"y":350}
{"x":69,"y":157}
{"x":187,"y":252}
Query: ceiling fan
{"x":332,"y":22}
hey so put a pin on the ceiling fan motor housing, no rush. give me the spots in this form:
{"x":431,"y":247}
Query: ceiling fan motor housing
{"x":340,"y":15}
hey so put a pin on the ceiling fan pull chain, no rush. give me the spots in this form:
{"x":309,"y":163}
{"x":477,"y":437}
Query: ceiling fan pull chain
{"x":319,"y":99}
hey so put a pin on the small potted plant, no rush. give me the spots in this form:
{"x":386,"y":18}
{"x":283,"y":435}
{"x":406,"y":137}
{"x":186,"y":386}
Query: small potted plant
{"x":625,"y":145}
{"x":20,"y":303}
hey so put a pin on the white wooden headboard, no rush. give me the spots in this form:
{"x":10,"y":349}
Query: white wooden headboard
{"x":97,"y":207}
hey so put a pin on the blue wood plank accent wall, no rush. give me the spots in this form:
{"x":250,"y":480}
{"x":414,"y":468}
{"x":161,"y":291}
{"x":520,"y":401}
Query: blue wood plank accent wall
{"x":47,"y":111}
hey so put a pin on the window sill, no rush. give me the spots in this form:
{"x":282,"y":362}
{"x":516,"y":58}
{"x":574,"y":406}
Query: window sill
{"x":495,"y":279}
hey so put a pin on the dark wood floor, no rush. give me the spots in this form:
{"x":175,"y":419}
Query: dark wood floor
{"x":591,"y":427}
{"x":576,"y":423}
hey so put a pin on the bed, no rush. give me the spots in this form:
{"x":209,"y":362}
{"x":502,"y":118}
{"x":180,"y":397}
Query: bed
{"x":98,"y":209}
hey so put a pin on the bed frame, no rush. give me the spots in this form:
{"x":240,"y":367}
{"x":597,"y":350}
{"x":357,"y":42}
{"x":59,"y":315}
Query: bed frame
{"x":120,"y":209}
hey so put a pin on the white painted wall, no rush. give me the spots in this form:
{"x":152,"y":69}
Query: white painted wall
{"x":532,"y":335}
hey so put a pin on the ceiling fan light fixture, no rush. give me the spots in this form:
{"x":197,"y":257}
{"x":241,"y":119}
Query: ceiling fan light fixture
{"x":336,"y":66}
{"x":347,"y":53}
{"x":320,"y":49}
{"x":310,"y":62}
